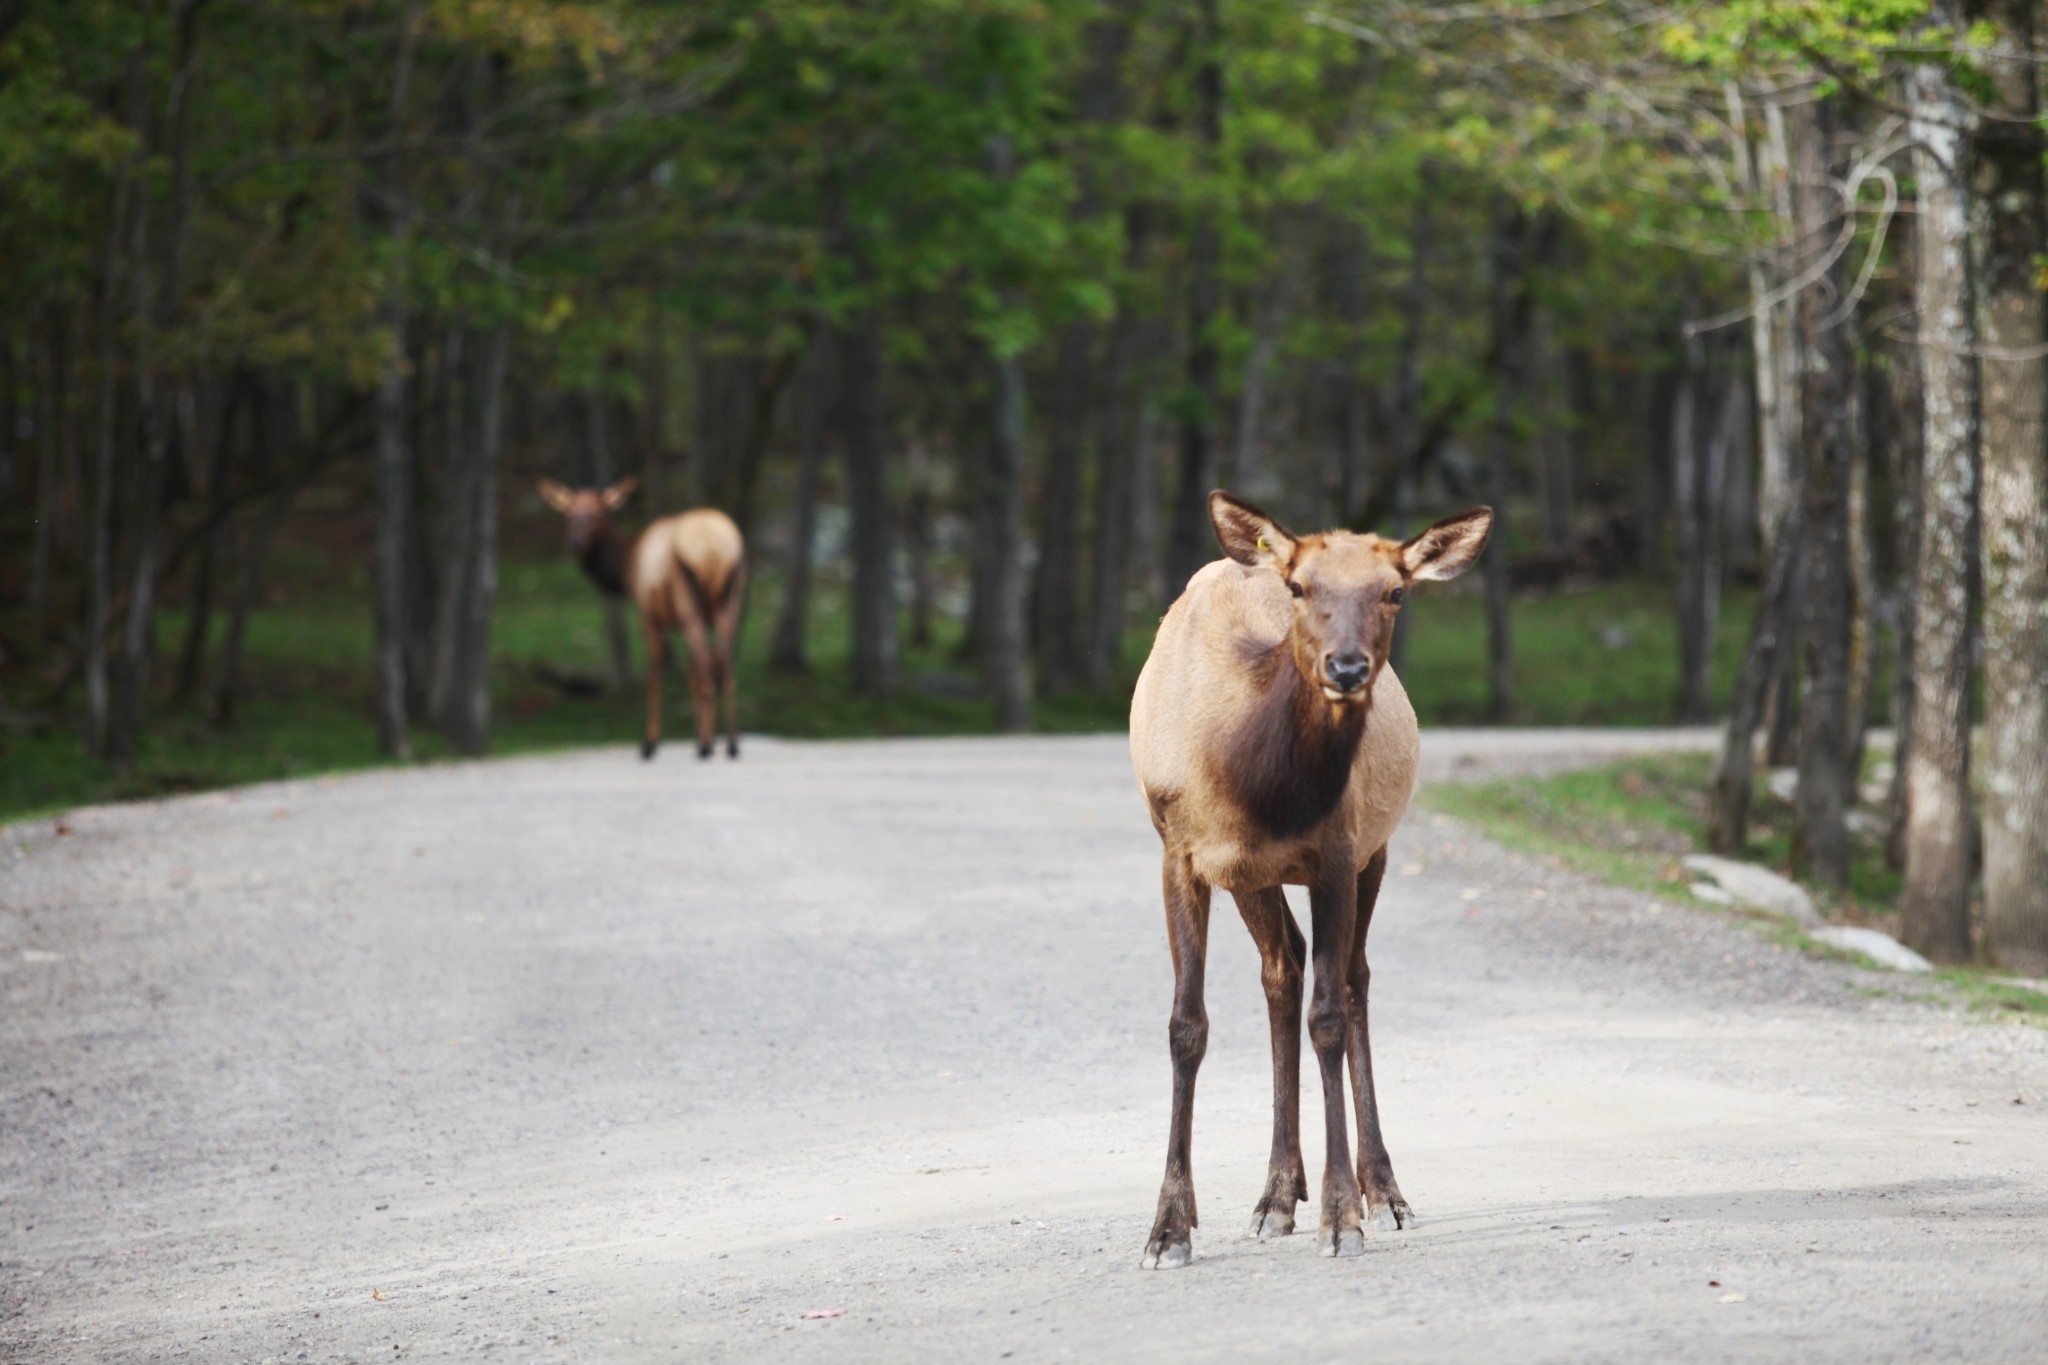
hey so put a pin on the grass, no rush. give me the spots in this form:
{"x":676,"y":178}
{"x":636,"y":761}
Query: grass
{"x":1606,"y":655}
{"x":1630,"y":824}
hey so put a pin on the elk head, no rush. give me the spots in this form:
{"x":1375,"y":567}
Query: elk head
{"x":588,"y":509}
{"x":1347,"y":588}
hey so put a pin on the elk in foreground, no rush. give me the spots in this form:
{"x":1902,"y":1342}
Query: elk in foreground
{"x":1274,"y":747}
{"x":685,"y":573}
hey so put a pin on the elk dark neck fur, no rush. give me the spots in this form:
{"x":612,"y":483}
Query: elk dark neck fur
{"x":1290,"y":761}
{"x":604,"y":559}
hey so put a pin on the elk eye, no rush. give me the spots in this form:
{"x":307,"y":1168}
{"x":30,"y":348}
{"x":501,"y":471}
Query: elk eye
{"x":1397,"y":595}
{"x":1295,"y":588}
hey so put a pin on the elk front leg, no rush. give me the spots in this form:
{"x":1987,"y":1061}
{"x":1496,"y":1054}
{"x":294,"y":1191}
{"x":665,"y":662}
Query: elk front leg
{"x":1187,"y":933}
{"x":650,"y":737}
{"x":1384,"y":1205}
{"x":1282,"y":953}
{"x":1334,"y":905}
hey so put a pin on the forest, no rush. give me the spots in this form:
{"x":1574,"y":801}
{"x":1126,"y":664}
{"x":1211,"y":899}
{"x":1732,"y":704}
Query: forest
{"x":961,"y":307}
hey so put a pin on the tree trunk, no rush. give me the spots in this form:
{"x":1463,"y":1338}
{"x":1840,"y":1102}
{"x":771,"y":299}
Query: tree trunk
{"x":394,"y":453}
{"x":2012,"y":325}
{"x":1515,"y":248}
{"x":788,"y":651}
{"x":1708,"y":418}
{"x":50,"y":408}
{"x":466,"y":716}
{"x":1240,"y":458}
{"x":1126,"y":437}
{"x":1007,"y":657}
{"x":918,"y":499}
{"x":1056,"y":593}
{"x":100,"y":532}
{"x":1906,"y":437}
{"x":1820,"y":839}
{"x":867,"y":489}
{"x":1863,"y":593}
{"x":1408,"y":386}
{"x":1191,"y":539}
{"x":1776,"y":336}
{"x":394,"y":508}
{"x":1729,"y":795}
{"x":1934,"y":906}
{"x":1653,"y":467}
{"x":199,"y":599}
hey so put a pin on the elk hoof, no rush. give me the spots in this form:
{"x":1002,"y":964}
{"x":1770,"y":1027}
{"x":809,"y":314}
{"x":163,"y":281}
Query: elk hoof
{"x":1165,"y":1253}
{"x":703,"y":751}
{"x":1392,"y":1215}
{"x":1277,"y":1221}
{"x":732,"y":748}
{"x":1340,"y":1242}
{"x":647,"y":748}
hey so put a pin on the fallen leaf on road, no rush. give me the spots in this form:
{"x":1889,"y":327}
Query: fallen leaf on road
{"x":1713,"y":1284}
{"x":824,"y":1313}
{"x":833,"y":1218}
{"x":62,"y":829}
{"x":379,"y":1295}
{"x":1733,"y":1298}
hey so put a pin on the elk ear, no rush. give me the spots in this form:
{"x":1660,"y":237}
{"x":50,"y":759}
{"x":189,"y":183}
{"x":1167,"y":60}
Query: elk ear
{"x":555,"y":494}
{"x":1248,"y":535}
{"x":615,"y":496}
{"x":1448,"y":548}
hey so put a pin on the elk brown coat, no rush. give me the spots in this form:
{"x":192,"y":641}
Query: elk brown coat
{"x":1274,"y":747}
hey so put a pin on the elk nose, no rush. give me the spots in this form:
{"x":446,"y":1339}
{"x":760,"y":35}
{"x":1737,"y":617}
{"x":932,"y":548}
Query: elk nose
{"x":1347,"y":672}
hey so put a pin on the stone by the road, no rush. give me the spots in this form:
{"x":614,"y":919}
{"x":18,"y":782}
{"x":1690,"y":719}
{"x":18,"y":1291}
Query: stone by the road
{"x":1758,"y":887}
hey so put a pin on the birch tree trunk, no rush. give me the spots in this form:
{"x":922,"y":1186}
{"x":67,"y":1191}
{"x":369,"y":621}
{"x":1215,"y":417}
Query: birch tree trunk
{"x":1934,"y":906}
{"x":1906,"y":438}
{"x":2011,"y":228}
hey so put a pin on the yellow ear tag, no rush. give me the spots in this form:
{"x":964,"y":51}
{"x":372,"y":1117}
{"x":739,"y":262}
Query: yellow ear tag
{"x":1263,"y":546}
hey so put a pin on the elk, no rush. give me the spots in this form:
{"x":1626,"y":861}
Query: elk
{"x":1274,"y":747}
{"x":685,"y":573}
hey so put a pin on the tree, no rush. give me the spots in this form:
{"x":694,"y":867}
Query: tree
{"x":1934,"y":907}
{"x":2012,"y":326}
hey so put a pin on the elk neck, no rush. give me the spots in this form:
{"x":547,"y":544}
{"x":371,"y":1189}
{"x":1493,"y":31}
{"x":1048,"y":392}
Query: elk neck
{"x":1289,"y":761}
{"x":604,"y":560}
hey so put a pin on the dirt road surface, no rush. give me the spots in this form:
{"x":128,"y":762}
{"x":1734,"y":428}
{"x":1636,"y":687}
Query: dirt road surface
{"x":580,"y":1059}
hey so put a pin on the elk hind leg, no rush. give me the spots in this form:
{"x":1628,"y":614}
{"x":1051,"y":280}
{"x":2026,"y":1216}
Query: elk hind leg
{"x":729,"y":657}
{"x":703,"y":687}
{"x":1384,"y":1205}
{"x":1334,"y":903}
{"x":650,"y":736}
{"x":1187,"y":934}
{"x":1282,"y":954}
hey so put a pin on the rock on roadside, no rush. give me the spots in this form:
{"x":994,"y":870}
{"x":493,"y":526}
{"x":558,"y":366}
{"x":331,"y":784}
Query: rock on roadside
{"x":1758,"y":887}
{"x":1878,"y":947}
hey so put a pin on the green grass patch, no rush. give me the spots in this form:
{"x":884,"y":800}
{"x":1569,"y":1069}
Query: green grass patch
{"x":1631,"y":823}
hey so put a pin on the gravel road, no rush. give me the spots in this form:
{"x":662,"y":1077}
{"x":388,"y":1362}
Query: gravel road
{"x":579,"y":1059}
